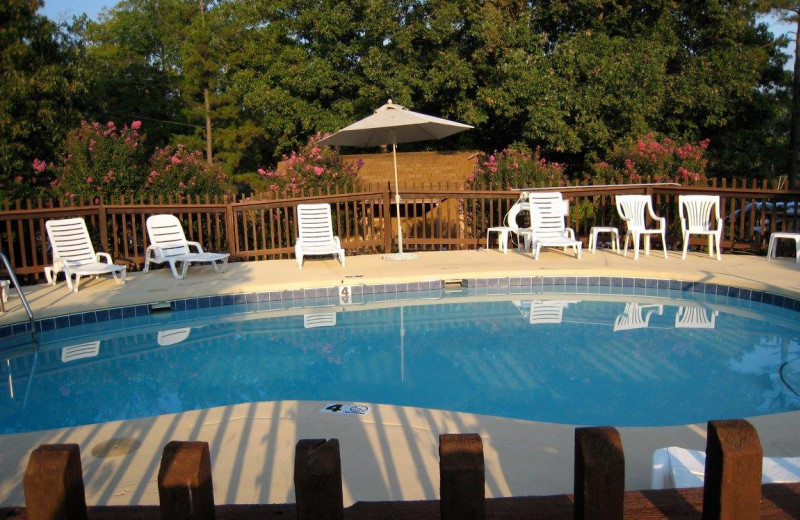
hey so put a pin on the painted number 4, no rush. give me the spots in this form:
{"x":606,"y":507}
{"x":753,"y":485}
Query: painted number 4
{"x":345,"y":295}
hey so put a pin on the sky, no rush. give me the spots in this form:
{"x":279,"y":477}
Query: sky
{"x":64,"y":10}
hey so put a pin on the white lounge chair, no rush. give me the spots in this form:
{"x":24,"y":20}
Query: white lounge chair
{"x":511,"y":226}
{"x":548,"y":227}
{"x":632,"y":209}
{"x":695,"y":318}
{"x":315,"y":233}
{"x":675,"y":467}
{"x":700,"y":216}
{"x":74,"y":254}
{"x":168,"y":244}
{"x":637,"y":316}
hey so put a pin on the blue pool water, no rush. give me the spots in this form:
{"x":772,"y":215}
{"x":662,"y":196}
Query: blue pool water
{"x":590,"y":359}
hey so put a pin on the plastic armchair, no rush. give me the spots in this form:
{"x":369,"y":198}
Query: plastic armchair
{"x":633,"y":210}
{"x":699,"y":215}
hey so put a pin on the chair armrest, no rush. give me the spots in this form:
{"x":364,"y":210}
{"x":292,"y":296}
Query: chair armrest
{"x":337,"y":242}
{"x":105,"y":256}
{"x":570,"y":233}
{"x":195,"y":244}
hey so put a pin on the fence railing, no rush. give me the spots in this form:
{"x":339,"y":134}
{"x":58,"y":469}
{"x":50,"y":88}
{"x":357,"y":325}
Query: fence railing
{"x":432,"y":219}
{"x":732,"y":489}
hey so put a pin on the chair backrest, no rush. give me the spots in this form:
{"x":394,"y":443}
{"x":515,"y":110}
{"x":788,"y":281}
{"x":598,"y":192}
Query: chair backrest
{"x":695,"y":318}
{"x":70,"y":241}
{"x":314,"y":224}
{"x":696,"y":211}
{"x":632,"y":208}
{"x":547,"y":213}
{"x":166,"y":233}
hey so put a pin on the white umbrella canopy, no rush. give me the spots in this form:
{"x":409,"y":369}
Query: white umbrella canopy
{"x":393,"y":124}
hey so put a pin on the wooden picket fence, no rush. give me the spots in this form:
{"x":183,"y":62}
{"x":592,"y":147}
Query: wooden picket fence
{"x":54,"y":488}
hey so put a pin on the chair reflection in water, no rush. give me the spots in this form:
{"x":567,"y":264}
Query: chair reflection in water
{"x":322,"y":319}
{"x":637,"y":315}
{"x":543,"y":311}
{"x":173,"y":336}
{"x":690,"y":317}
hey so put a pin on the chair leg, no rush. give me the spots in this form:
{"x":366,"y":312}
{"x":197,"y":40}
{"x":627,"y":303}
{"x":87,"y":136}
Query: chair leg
{"x":719,"y":250}
{"x":664,"y":243}
{"x":685,"y":245}
{"x":636,"y":239}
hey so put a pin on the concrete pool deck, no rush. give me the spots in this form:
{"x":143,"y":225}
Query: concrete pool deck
{"x":392,"y":453}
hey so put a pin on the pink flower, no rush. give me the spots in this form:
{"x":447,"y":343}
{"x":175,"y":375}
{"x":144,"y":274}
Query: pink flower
{"x":181,"y":184}
{"x":318,"y":170}
{"x":175,"y":159}
{"x":39,"y":165}
{"x":89,"y":179}
{"x":136,"y":125}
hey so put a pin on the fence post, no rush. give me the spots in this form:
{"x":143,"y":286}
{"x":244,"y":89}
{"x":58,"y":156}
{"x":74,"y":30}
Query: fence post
{"x":387,"y":219}
{"x":462,"y":477}
{"x":185,"y":489}
{"x":102,"y":214}
{"x":732,"y":488}
{"x":231,"y":233}
{"x":318,"y":480}
{"x":599,"y":474}
{"x":53,"y":483}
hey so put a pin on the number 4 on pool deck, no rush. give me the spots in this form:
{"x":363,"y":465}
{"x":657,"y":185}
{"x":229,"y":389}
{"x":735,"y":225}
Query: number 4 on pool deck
{"x":345,"y":409}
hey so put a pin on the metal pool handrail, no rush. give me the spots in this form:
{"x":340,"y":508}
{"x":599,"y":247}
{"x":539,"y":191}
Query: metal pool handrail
{"x":25,"y":304}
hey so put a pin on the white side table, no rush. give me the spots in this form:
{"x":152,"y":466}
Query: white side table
{"x":603,"y":229}
{"x":502,"y":232}
{"x":773,"y":240}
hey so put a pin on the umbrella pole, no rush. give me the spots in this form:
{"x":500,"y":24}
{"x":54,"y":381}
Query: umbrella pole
{"x":397,"y":197}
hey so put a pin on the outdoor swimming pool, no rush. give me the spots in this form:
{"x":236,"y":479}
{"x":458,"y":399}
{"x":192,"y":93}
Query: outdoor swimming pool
{"x":571,"y":354}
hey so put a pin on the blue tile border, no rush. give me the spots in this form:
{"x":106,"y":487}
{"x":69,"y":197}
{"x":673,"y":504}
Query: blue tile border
{"x":329,"y":296}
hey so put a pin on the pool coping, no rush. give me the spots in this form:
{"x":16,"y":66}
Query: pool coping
{"x":358,"y":293}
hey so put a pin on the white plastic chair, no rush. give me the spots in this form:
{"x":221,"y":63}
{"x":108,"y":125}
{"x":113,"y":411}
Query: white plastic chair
{"x":74,"y":254}
{"x":637,"y":315}
{"x":315,"y":233}
{"x":700,"y":216}
{"x":168,"y":244}
{"x":548,"y":226}
{"x":631,"y":209}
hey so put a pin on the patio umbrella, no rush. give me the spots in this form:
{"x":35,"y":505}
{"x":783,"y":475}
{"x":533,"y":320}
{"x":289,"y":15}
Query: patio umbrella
{"x":393,"y":124}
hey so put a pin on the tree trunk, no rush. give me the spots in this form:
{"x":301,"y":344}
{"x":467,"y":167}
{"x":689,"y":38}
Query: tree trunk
{"x":207,"y":99}
{"x":794,"y":132}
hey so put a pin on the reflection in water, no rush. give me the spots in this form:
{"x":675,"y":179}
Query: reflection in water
{"x":592,"y":362}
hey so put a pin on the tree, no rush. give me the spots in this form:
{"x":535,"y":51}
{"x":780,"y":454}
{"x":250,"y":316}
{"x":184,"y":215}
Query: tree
{"x":41,"y":89}
{"x":789,"y":11}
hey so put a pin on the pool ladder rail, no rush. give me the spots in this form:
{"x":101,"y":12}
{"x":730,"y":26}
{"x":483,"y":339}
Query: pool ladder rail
{"x":22,"y":298}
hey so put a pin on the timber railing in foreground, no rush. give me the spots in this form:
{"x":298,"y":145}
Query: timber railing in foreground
{"x":54,"y":489}
{"x":432,"y":219}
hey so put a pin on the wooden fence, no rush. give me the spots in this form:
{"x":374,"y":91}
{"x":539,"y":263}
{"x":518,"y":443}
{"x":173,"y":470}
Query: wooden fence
{"x":53,"y":485}
{"x":439,"y":218}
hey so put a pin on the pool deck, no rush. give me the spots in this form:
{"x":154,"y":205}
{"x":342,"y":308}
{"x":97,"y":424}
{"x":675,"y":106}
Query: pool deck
{"x":392,"y":453}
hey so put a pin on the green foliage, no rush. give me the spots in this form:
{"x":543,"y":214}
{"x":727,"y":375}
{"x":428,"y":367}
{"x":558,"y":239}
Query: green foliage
{"x":515,"y":167}
{"x":651,"y":160}
{"x":40,"y":93}
{"x":101,"y":162}
{"x":178,"y":171}
{"x":312,"y":169}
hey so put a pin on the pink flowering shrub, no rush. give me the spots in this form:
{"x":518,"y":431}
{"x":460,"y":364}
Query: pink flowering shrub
{"x":99,"y":161}
{"x":651,"y":160}
{"x":178,"y":171}
{"x":515,"y":167}
{"x":311,"y":169}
